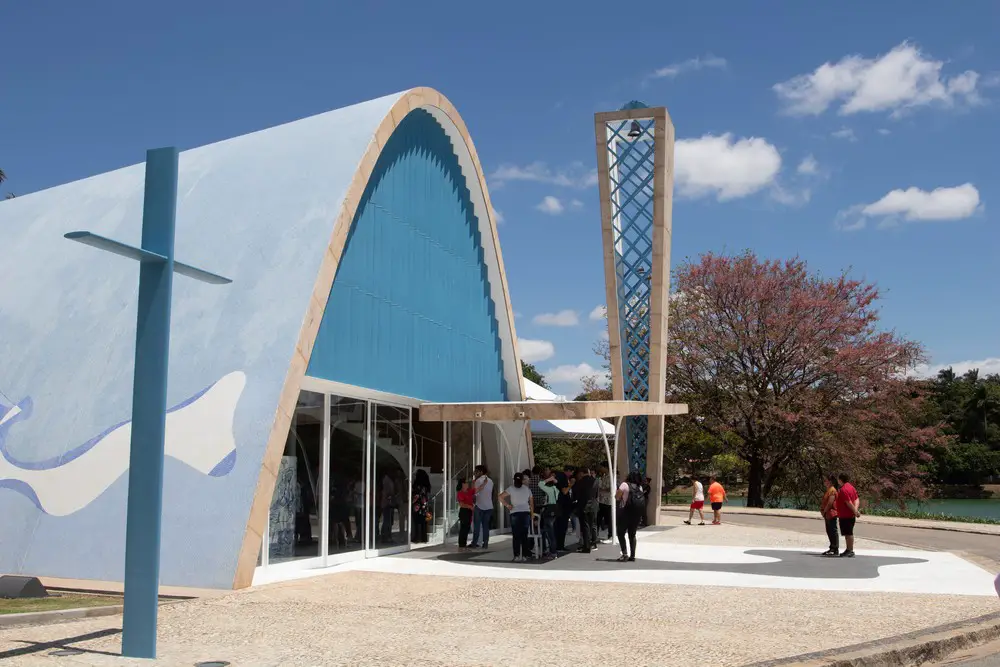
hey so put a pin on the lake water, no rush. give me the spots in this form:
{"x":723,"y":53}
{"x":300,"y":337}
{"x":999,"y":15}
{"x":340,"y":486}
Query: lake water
{"x":986,"y":509}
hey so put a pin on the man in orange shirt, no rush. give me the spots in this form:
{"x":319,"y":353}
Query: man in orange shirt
{"x":717,"y":496}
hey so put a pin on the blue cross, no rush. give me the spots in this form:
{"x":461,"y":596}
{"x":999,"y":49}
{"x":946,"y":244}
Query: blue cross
{"x":149,"y":393}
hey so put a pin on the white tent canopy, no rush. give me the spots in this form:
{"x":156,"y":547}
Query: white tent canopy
{"x":579,"y":429}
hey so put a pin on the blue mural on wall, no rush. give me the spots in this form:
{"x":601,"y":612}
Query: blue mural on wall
{"x":67,"y":330}
{"x":410,"y":311}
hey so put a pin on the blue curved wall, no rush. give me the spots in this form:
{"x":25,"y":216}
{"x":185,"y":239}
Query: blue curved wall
{"x":410,"y":311}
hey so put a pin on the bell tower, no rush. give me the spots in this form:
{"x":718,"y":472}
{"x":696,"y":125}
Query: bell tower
{"x":635,"y":168}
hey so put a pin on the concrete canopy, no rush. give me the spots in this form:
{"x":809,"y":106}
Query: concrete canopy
{"x":512,"y":410}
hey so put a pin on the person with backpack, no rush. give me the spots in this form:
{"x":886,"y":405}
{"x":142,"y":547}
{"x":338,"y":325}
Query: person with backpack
{"x":631,"y":505}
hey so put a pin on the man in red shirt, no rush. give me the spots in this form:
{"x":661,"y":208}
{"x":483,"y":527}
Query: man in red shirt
{"x":848,"y":510}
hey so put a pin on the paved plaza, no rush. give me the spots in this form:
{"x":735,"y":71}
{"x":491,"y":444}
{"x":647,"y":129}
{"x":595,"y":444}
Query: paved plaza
{"x":706,"y":595}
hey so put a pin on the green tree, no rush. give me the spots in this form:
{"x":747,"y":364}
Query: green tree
{"x":729,"y":467}
{"x":531,"y":373}
{"x":3,"y":177}
{"x":966,"y":463}
{"x":983,"y":402}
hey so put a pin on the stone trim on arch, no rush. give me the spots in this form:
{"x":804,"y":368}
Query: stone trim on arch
{"x":443,"y":110}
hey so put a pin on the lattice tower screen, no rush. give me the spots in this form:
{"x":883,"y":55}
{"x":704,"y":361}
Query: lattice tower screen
{"x":631,"y":153}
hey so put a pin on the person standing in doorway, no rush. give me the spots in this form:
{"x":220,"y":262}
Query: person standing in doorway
{"x":466,"y":497}
{"x":604,"y":500}
{"x":388,"y":507}
{"x":519,"y":501}
{"x":717,"y":495}
{"x":420,"y":507}
{"x":631,"y":505}
{"x":848,"y":507}
{"x":697,"y":502}
{"x":828,"y":509}
{"x":482,"y":516}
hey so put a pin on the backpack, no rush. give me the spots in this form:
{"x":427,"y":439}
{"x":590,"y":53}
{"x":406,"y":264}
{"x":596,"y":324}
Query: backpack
{"x":636,"y":499}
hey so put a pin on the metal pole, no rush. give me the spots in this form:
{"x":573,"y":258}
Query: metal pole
{"x":149,"y":408}
{"x":614,"y":479}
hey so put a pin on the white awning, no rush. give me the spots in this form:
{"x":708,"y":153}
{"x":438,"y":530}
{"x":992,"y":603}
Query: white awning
{"x":580,"y":429}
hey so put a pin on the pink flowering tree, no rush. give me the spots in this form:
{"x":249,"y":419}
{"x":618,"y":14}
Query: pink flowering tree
{"x":794,"y":372}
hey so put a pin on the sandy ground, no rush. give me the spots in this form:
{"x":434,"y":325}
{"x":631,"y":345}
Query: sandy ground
{"x":363,"y":618}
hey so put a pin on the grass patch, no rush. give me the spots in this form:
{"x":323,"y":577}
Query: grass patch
{"x":931,"y":516}
{"x":56,"y":601}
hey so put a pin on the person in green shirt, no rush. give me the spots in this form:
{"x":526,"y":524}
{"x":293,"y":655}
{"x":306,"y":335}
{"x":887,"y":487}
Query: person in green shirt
{"x":547,"y":516}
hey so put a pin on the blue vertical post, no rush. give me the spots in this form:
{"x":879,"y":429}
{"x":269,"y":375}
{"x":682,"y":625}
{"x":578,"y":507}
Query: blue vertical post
{"x":149,"y":408}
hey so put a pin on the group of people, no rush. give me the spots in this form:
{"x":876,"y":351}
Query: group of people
{"x":840,"y":508}
{"x":716,"y":496}
{"x":555,"y":503}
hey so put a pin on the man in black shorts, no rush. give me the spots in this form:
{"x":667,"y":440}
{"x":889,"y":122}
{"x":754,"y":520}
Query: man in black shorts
{"x":848,"y":509}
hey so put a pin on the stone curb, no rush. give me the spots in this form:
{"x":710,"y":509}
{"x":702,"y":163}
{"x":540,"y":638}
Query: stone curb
{"x":959,"y":527}
{"x":57,"y":615}
{"x":914,"y":648}
{"x":62,"y":615}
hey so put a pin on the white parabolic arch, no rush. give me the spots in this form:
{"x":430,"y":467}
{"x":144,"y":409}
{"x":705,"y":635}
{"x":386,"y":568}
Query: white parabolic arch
{"x":445,"y":113}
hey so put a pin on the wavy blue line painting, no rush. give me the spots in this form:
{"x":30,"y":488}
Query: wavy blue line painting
{"x":199,"y":433}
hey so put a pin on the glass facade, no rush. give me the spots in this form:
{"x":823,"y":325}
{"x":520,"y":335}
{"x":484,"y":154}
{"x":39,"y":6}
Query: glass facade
{"x":294,"y":523}
{"x":361,"y":477}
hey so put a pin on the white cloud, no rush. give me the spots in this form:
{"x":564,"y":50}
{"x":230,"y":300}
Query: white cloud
{"x":576,"y":175}
{"x":712,"y":165}
{"x":897,"y":81}
{"x":571,"y":374}
{"x":564,"y":318}
{"x":788,"y":197}
{"x":690,"y":65}
{"x":724,"y":167}
{"x":498,"y":216}
{"x":808,"y":166}
{"x":551,"y":205}
{"x":604,"y":335}
{"x":986,"y":366}
{"x":535,"y":350}
{"x":916,"y":205}
{"x":599,"y":313}
{"x":883,"y":131}
{"x":845,"y":133}
{"x":516,"y":314}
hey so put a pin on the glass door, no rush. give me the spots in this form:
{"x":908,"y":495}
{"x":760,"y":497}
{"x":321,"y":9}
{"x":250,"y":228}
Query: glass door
{"x":388,"y":463}
{"x":295,"y":522}
{"x":461,"y":463}
{"x":348,"y":429}
{"x":430,"y":486}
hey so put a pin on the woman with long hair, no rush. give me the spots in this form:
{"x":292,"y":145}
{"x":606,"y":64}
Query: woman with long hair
{"x":466,"y":497}
{"x":828,"y":508}
{"x":631,"y":503}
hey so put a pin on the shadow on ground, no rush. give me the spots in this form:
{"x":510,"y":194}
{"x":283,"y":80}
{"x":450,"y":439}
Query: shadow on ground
{"x":797,"y":564}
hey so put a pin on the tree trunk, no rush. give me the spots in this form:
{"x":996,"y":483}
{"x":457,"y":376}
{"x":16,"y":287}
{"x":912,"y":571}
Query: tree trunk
{"x":755,"y":495}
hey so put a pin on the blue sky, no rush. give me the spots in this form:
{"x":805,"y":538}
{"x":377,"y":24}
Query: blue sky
{"x":856,"y":135}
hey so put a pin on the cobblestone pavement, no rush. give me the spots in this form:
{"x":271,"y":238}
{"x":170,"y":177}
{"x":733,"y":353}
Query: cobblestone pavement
{"x":371,"y":618}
